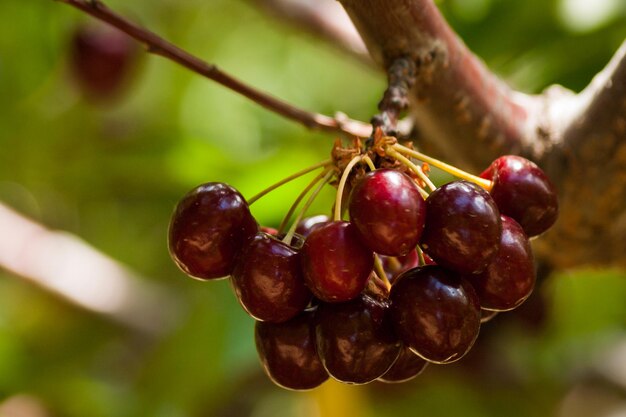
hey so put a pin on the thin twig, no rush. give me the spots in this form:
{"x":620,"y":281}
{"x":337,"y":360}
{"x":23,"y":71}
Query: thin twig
{"x":159,"y":46}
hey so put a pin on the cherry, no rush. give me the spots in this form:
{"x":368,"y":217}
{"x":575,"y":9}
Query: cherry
{"x":308,"y":224}
{"x":355,"y":339}
{"x":435,"y":313}
{"x":487,"y":315}
{"x":288,"y":352}
{"x":209,"y":227}
{"x":336,"y":264}
{"x":523,"y":192}
{"x":388,"y":211}
{"x":394,"y":266}
{"x":510,"y":277}
{"x":406,"y":367}
{"x":268,"y":280}
{"x":101,"y":60}
{"x":463,"y":227}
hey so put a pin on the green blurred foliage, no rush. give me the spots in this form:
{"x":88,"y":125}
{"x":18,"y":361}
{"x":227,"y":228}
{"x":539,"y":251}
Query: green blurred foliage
{"x":112,"y":174}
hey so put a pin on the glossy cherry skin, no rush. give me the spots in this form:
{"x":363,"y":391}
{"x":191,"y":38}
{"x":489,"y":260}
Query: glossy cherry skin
{"x":102,"y":59}
{"x":388,"y":211}
{"x":335,"y":262}
{"x":523,"y":192}
{"x":308,"y":224}
{"x":435,"y":313}
{"x":288,"y":352}
{"x":463,"y":227}
{"x":406,"y":367}
{"x":487,"y":315}
{"x":209,"y":227}
{"x":355,"y":339}
{"x":268,"y":280}
{"x":510,"y":277}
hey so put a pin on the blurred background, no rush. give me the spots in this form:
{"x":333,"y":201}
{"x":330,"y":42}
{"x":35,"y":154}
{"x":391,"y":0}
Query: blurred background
{"x":95,"y":319}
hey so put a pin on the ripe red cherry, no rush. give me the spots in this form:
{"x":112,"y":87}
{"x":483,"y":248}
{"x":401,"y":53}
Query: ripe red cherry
{"x":335,"y":262}
{"x":463,"y":227}
{"x":435,"y":313}
{"x":388,"y":211}
{"x":510,"y":277}
{"x":209,"y":227}
{"x":288,"y":352}
{"x":306,"y":225}
{"x":523,"y":192}
{"x":406,"y":367}
{"x":102,"y":59}
{"x":355,"y":339}
{"x":268,"y":280}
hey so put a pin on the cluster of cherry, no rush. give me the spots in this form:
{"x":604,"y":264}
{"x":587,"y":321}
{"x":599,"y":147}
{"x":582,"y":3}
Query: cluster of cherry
{"x":406,"y":281}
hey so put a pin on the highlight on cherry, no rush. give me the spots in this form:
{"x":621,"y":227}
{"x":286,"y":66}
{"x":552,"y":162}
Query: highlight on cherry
{"x":399,"y":273}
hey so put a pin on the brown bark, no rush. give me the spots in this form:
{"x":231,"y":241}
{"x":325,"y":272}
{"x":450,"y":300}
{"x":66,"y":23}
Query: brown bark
{"x":469,"y":116}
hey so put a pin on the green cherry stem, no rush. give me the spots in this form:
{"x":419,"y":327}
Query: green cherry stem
{"x":407,"y":162}
{"x":305,"y":207}
{"x":394,"y":263}
{"x":380,"y":272}
{"x":342,"y":185}
{"x":369,"y":162}
{"x":295,"y":204}
{"x":486,"y":184}
{"x":420,"y":255}
{"x":289,"y":178}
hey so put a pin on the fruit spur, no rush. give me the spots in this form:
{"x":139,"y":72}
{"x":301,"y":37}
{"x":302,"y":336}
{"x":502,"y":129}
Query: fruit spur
{"x":398,"y":274}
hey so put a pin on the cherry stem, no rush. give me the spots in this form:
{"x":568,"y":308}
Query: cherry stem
{"x":295,"y":204}
{"x":292,"y":229}
{"x":380,"y":272}
{"x":369,"y":162}
{"x":289,"y":178}
{"x":394,"y":263}
{"x":407,"y":162}
{"x":486,"y":184}
{"x":342,"y":184}
{"x":420,"y":255}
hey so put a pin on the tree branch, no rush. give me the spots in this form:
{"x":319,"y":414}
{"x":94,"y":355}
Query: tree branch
{"x":322,"y":18}
{"x":455,"y":95}
{"x":467,"y":114}
{"x":589,"y":165}
{"x":160,"y":46}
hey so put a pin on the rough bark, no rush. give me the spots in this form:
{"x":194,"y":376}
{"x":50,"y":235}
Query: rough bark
{"x":468,"y":115}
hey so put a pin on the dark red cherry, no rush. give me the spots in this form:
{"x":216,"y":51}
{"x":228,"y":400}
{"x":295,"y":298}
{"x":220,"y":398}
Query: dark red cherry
{"x":209,"y":227}
{"x":388,"y":211}
{"x":510,"y":277}
{"x":335,"y":262}
{"x":394,"y":266}
{"x":288,"y":352}
{"x":268,"y":280}
{"x":435,"y":313}
{"x":463,"y":227}
{"x":308,"y":224}
{"x":523,"y":192}
{"x":487,"y":315}
{"x":102,"y":60}
{"x":355,"y":339}
{"x":406,"y":367}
